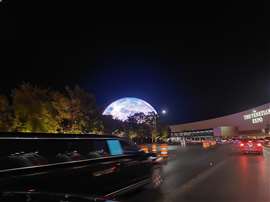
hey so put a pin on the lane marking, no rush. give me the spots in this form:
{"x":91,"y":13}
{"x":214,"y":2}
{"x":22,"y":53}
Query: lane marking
{"x":201,"y":177}
{"x":175,"y":193}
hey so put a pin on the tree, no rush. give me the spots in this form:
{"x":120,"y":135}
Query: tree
{"x":154,"y":135}
{"x":33,"y":111}
{"x":62,"y":105}
{"x":42,"y":110}
{"x":152,"y":119}
{"x":6,"y":115}
{"x":146,"y":126}
{"x":132,"y":134}
{"x":137,"y":124}
{"x":138,"y":118}
{"x":164,"y":134}
{"x":112,"y":125}
{"x":85,"y":117}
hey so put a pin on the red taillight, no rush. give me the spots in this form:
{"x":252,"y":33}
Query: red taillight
{"x":249,"y":141}
{"x":241,"y":145}
{"x":259,"y":144}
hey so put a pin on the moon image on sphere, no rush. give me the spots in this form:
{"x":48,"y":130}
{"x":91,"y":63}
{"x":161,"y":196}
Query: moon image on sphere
{"x":123,"y":108}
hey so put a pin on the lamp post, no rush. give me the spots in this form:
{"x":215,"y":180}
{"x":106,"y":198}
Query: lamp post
{"x":155,"y":127}
{"x":163,"y":112}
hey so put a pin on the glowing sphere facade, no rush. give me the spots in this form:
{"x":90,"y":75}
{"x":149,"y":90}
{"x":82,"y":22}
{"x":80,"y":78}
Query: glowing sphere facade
{"x":123,"y":108}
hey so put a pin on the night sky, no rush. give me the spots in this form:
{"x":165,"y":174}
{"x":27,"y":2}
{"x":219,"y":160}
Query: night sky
{"x":197,"y":63}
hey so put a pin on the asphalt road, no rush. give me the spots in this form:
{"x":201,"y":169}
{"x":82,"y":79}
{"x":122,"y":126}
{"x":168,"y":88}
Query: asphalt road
{"x":220,"y":174}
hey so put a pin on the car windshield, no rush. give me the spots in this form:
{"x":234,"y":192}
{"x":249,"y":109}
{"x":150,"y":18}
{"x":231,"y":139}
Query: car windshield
{"x":130,"y":102}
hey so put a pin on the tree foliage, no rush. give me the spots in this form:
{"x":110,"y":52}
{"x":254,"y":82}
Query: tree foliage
{"x":35,"y":109}
{"x":84,"y":113}
{"x":112,"y":125}
{"x":6,"y":115}
{"x":146,"y":126}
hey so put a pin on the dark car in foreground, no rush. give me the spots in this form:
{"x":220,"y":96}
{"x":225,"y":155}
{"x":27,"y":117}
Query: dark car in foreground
{"x":95,"y":165}
{"x":251,"y":146}
{"x":47,"y":197}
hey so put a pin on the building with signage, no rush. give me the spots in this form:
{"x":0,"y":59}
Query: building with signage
{"x":253,"y":122}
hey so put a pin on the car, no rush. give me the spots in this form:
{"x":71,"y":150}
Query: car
{"x":250,"y":146}
{"x":236,"y":141}
{"x":267,"y":141}
{"x":96,"y":165}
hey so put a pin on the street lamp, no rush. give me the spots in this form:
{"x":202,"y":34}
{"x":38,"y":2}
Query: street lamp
{"x":163,"y":112}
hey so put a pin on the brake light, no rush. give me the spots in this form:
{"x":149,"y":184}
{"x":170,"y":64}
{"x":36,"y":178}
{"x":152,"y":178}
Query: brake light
{"x":259,"y":144}
{"x":249,"y":141}
{"x":241,"y":145}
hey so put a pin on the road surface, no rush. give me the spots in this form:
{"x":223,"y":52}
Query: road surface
{"x":220,"y":174}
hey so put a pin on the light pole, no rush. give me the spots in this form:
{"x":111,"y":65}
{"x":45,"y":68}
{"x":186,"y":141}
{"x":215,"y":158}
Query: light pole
{"x":163,"y":113}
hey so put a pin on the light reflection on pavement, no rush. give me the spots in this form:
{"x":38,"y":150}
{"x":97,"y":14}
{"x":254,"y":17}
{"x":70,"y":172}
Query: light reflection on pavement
{"x":221,"y":174}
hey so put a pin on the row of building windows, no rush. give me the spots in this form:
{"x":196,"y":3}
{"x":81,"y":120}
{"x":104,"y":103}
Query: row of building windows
{"x":192,"y":133}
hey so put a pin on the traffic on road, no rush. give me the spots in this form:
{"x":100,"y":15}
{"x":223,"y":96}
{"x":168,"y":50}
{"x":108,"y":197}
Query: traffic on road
{"x":109,"y":168}
{"x":222,"y":173}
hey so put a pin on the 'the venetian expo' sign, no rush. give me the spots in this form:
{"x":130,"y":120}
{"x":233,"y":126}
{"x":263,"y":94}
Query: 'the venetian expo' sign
{"x":257,"y":117}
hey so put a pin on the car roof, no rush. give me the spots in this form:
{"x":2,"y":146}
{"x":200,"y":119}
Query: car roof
{"x":48,"y":195}
{"x":21,"y":135}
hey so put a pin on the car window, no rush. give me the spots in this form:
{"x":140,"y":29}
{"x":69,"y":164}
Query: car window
{"x":99,"y":147}
{"x":115,"y":147}
{"x":20,"y":153}
{"x":35,"y":152}
{"x":129,"y":147}
{"x":75,"y":149}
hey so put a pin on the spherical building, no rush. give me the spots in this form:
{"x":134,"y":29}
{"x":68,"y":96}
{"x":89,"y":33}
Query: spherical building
{"x":123,"y":108}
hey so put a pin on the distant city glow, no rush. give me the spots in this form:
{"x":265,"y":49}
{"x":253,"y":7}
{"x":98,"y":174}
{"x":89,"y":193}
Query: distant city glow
{"x":123,"y":108}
